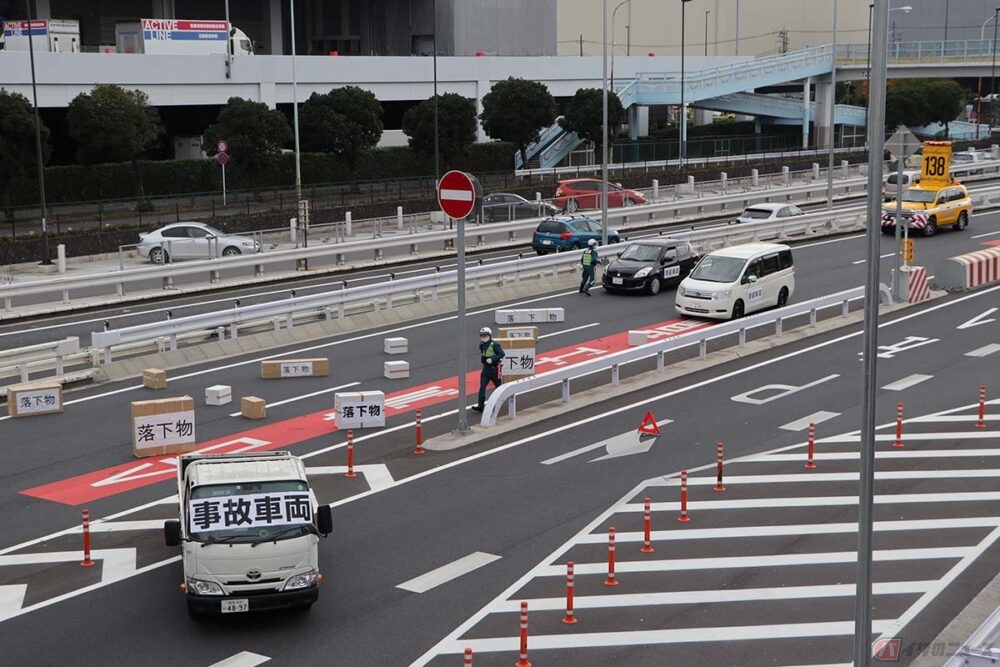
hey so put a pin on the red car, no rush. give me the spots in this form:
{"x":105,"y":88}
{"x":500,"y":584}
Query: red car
{"x":578,"y":193}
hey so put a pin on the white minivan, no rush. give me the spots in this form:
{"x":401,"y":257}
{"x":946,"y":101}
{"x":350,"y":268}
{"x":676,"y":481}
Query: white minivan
{"x":734,"y":281}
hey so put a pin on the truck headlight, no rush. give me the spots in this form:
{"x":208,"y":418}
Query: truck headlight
{"x":680,"y":290}
{"x":642,"y":273}
{"x":721,"y":296}
{"x":303,"y":580}
{"x":199,"y":587}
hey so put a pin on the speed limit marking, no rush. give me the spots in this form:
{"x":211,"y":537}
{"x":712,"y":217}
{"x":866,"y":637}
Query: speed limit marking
{"x":221,"y":147}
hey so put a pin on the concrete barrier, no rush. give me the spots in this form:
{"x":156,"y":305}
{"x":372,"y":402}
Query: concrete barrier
{"x":974,"y":269}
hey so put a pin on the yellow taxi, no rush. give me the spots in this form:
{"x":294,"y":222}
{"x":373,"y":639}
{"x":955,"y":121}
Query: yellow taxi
{"x":929,"y":207}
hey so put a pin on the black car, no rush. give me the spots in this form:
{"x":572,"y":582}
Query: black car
{"x":502,"y":206}
{"x":648,"y":264}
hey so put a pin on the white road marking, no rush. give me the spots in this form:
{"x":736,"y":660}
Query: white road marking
{"x":954,"y":418}
{"x":712,"y":596}
{"x":575,"y":452}
{"x":578,"y":640}
{"x":299,"y":398}
{"x":907,"y":382}
{"x":840,"y":476}
{"x":984,"y":351}
{"x":978,"y":319}
{"x":893,"y":454}
{"x":814,"y":418}
{"x":376,"y":474}
{"x":566,"y":331}
{"x":121,"y":526}
{"x":862,"y":261}
{"x":783,"y":391}
{"x":823,"y":501}
{"x":982,"y":236}
{"x":449,"y":572}
{"x":884,"y":437}
{"x":11,"y":599}
{"x":242,"y":659}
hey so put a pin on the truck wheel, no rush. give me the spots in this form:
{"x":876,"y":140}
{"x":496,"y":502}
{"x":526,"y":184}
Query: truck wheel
{"x":931,"y":228}
{"x":963,"y":221}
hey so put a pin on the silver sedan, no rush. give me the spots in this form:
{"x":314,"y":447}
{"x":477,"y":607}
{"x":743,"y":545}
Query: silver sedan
{"x":192,"y":240}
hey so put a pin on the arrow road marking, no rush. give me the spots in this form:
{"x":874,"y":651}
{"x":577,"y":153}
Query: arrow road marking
{"x":626,"y":444}
{"x":979,"y":319}
{"x":611,"y":447}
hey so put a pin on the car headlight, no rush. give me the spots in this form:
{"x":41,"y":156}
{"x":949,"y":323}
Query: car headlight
{"x":303,"y":580}
{"x":199,"y":587}
{"x":248,"y":244}
{"x":642,"y":273}
{"x":681,"y":291}
{"x":721,"y":296}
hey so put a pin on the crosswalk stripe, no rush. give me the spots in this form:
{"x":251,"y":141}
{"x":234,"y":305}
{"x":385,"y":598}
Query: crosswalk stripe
{"x":907,"y":382}
{"x":722,"y":562}
{"x":894,"y":454}
{"x":888,"y":437}
{"x":242,"y":659}
{"x":965,"y":473}
{"x":814,"y":418}
{"x":819,"y":501}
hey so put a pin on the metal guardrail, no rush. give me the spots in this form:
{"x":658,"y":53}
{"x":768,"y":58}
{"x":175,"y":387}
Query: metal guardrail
{"x":508,"y":392}
{"x":20,"y":360}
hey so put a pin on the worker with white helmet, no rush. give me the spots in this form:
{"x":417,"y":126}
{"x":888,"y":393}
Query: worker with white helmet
{"x":490,"y":354}
{"x":589,"y":260}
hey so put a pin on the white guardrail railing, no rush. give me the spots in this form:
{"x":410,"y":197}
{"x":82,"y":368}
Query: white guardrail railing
{"x":507,"y":393}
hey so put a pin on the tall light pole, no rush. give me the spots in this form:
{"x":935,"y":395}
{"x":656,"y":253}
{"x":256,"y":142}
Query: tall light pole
{"x":707,"y":12}
{"x":737,"y":49}
{"x":946,"y":2}
{"x":604,"y":131}
{"x":46,"y":260}
{"x":832,"y":117}
{"x":682,"y":117}
{"x":993,"y":71}
{"x":868,"y":75}
{"x":434,"y":58}
{"x":979,"y":86}
{"x":628,"y":40}
{"x":295,"y":106}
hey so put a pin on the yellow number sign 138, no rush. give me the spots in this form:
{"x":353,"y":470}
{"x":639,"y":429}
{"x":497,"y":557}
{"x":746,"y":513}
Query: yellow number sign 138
{"x":936,"y":164}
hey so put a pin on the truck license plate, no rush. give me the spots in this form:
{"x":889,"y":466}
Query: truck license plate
{"x":235,"y":606}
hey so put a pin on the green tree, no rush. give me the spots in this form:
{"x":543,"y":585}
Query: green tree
{"x":255,"y":134}
{"x":946,"y":100}
{"x":18,"y":153}
{"x":456,"y":126}
{"x":112,"y":124}
{"x":585,"y":114}
{"x":515,"y":110}
{"x":919,"y":102}
{"x":346,"y":121}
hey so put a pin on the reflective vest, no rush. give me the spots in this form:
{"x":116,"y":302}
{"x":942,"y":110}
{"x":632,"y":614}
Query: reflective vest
{"x":588,"y":257}
{"x":488,"y":352}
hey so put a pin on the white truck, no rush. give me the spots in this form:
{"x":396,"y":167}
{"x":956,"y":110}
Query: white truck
{"x":55,"y":35}
{"x":249,"y":530}
{"x":180,"y":37}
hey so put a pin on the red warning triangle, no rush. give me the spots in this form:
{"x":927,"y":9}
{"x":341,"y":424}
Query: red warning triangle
{"x":648,"y":425}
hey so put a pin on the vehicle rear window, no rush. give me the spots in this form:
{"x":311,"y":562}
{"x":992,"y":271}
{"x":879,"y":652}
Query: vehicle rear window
{"x":756,"y":213}
{"x":551,"y":227}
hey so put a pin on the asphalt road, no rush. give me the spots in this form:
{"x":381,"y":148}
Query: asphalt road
{"x":503,"y":504}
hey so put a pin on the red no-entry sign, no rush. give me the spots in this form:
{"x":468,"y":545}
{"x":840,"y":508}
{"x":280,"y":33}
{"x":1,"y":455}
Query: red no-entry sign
{"x":457,"y":194}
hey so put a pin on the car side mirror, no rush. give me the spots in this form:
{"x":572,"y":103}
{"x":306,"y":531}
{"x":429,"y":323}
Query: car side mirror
{"x":670,"y":258}
{"x":751,"y":279}
{"x":172,"y":533}
{"x":324,"y":520}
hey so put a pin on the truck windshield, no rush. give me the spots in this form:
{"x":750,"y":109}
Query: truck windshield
{"x":250,"y":512}
{"x":919,"y":196}
{"x":718,"y":269}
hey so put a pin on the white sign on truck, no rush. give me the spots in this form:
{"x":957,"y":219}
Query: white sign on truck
{"x":180,"y":37}
{"x":249,"y":530}
{"x":45,"y":35}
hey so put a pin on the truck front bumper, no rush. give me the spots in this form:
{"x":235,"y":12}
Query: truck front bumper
{"x":257,"y":601}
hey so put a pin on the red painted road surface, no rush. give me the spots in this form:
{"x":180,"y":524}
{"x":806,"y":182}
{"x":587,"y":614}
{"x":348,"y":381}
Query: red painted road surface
{"x":279,"y":435}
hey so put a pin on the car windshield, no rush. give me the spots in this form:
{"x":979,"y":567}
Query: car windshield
{"x":718,"y":269}
{"x":641,"y":252}
{"x":249,"y":513}
{"x":919,"y":196}
{"x":756,"y":213}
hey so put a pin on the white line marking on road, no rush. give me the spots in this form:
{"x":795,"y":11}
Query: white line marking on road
{"x":578,"y":640}
{"x":575,"y":452}
{"x":862,"y":261}
{"x":894,"y":454}
{"x":242,"y":659}
{"x":982,"y":236}
{"x":449,"y":572}
{"x":711,"y":596}
{"x":744,"y":562}
{"x":839,"y":476}
{"x":121,"y":526}
{"x":11,"y":599}
{"x":784,"y":530}
{"x":376,"y":474}
{"x":823,"y":501}
{"x":978,"y":319}
{"x":566,"y":331}
{"x":814,"y":418}
{"x":299,"y":398}
{"x":907,"y":382}
{"x":953,"y":418}
{"x":984,"y":351}
{"x":886,"y":437}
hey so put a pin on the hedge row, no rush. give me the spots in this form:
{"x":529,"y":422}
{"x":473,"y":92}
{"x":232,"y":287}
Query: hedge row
{"x":78,"y":183}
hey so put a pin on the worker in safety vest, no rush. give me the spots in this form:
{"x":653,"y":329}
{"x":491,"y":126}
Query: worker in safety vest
{"x":491,"y":354}
{"x":589,"y":260}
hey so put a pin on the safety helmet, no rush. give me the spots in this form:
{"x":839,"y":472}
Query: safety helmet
{"x":485,"y":331}
{"x":592,"y":242}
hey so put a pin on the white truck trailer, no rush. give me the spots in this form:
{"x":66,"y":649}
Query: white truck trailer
{"x":180,"y":37}
{"x":55,"y":35}
{"x":249,"y":530}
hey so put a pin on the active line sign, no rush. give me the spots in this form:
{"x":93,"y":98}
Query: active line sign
{"x":458,"y":193}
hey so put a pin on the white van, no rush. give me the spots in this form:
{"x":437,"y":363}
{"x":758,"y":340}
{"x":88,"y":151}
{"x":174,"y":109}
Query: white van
{"x":729,"y":283}
{"x":890,"y":188}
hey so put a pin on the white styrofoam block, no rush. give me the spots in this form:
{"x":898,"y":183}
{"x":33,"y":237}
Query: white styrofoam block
{"x":638,"y":337}
{"x":395,"y":370}
{"x":359,"y":409}
{"x":397,"y":345}
{"x":218,"y":394}
{"x":555,"y":315}
{"x":530,"y":315}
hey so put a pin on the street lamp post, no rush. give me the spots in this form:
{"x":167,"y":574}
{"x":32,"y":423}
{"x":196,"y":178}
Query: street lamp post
{"x":979,"y":86}
{"x":682,"y":117}
{"x":868,"y":74}
{"x":604,"y":129}
{"x":46,"y":260}
{"x":434,"y":57}
{"x":707,"y":12}
{"x":295,"y":104}
{"x":993,"y":71}
{"x":832,"y":117}
{"x":628,"y":40}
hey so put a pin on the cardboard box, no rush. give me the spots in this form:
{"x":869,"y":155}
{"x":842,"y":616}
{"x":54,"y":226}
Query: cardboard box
{"x":218,"y":394}
{"x":359,"y":409}
{"x":518,"y":332}
{"x":638,"y":337}
{"x":273,"y":369}
{"x":154,"y":378}
{"x":397,"y":370}
{"x":398,"y":345}
{"x":27,"y":400}
{"x":253,"y":408}
{"x":163,"y":426}
{"x":519,"y":358}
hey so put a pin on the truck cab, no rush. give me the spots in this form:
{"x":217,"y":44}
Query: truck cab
{"x":929,"y":207}
{"x":248,"y":529}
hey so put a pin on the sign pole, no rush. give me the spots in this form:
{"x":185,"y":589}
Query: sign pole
{"x":223,"y":183}
{"x":463,"y":420}
{"x":899,"y":211}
